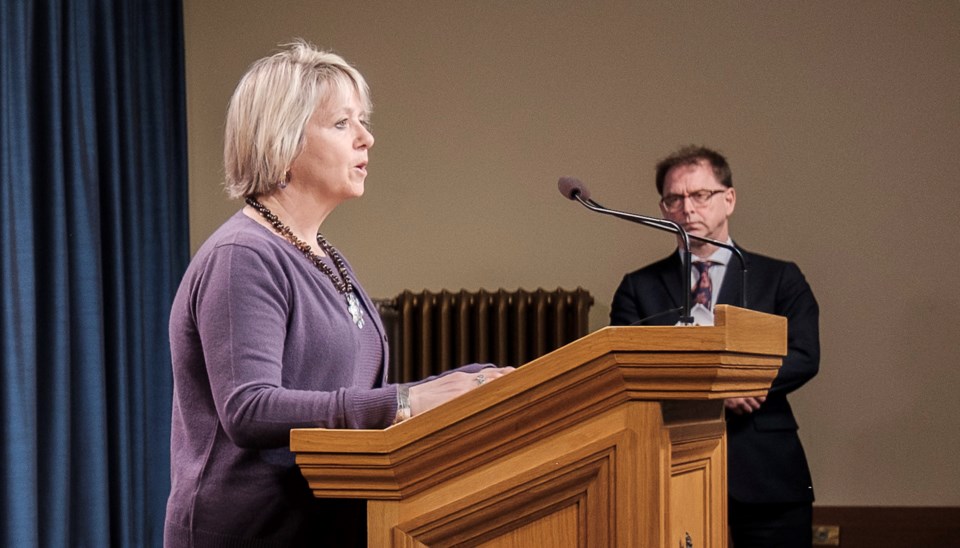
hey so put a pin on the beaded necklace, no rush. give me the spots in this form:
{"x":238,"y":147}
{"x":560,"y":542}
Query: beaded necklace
{"x":343,"y":283}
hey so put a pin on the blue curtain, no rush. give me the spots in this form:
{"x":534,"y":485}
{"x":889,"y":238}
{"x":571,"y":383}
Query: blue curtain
{"x":93,"y":241}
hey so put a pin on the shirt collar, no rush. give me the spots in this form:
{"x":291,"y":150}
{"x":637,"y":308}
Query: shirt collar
{"x":720,"y":256}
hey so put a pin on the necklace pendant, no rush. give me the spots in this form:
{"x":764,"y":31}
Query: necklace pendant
{"x":353,"y":307}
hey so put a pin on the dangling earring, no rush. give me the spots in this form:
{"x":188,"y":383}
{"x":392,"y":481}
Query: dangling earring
{"x":285,"y":181}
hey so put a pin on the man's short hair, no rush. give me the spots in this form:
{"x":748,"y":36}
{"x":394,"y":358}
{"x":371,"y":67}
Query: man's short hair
{"x":693,"y":155}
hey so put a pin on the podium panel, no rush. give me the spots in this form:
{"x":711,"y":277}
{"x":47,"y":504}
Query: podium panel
{"x":617,"y":439}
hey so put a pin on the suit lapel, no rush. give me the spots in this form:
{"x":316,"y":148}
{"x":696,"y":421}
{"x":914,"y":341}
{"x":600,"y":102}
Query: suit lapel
{"x":672,"y":278}
{"x":732,"y":285}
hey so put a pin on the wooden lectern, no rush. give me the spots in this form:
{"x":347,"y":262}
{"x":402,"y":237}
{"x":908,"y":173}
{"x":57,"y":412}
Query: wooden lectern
{"x":617,"y":439}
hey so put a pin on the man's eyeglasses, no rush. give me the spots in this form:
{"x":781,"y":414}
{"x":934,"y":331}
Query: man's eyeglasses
{"x":673,"y":202}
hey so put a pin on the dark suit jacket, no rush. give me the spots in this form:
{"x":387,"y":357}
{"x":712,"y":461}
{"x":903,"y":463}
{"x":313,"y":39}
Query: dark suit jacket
{"x":766,"y":462}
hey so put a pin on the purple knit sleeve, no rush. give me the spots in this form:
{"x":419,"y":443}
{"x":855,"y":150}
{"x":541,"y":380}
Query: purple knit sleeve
{"x":263,"y":383}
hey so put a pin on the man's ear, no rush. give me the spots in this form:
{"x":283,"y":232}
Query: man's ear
{"x":730,"y":200}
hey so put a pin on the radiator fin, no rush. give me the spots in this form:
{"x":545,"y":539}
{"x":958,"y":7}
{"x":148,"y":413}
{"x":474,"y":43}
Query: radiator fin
{"x":433,"y":332}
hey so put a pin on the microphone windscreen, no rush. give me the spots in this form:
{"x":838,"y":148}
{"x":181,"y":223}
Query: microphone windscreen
{"x":571,"y":187}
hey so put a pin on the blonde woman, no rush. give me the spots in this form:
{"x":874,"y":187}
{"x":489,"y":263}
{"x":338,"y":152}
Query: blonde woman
{"x":270,"y":329}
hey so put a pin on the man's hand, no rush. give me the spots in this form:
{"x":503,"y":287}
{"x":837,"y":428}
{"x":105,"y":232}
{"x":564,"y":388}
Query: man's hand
{"x":740,"y":406}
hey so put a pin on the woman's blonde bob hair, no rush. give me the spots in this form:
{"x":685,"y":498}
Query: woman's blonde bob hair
{"x":270,"y":109}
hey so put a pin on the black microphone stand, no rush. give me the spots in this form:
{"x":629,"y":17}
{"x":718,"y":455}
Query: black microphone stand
{"x":659,"y":224}
{"x":733,"y":249}
{"x":670,"y":226}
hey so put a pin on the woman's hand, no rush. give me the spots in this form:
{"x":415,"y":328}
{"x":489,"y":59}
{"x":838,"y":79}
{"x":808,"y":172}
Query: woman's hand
{"x":428,"y":395}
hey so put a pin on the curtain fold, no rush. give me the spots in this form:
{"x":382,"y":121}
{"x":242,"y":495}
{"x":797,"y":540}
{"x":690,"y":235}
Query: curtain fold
{"x":94,"y":235}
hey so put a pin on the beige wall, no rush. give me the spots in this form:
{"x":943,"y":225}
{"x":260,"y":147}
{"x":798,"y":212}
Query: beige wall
{"x":841,"y":121}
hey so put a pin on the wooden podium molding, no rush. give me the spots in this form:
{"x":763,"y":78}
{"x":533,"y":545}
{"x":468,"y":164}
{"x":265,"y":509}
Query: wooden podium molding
{"x":616,"y":439}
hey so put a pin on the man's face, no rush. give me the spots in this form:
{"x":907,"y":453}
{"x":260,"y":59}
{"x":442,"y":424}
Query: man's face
{"x":708,"y":219}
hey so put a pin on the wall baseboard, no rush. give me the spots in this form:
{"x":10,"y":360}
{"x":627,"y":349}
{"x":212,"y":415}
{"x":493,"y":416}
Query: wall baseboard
{"x":886,"y":526}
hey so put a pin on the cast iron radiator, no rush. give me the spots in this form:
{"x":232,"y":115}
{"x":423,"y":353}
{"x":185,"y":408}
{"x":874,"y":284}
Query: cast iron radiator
{"x":433,"y":332}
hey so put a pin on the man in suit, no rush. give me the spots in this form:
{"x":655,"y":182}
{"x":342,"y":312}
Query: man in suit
{"x":770,"y":491}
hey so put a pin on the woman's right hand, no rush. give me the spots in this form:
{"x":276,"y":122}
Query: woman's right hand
{"x":430,"y":394}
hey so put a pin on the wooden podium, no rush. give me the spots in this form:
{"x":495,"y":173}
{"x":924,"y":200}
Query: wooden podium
{"x":617,"y":439}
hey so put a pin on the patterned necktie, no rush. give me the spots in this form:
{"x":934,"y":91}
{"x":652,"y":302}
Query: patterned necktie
{"x":702,"y":292}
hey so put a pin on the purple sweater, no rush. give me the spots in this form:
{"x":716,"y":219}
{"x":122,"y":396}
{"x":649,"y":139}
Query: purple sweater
{"x":261,"y":342}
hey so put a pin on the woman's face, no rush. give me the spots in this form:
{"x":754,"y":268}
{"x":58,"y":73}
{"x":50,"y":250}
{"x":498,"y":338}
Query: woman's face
{"x":333,"y":162}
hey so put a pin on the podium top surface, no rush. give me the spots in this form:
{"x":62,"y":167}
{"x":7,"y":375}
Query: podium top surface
{"x":738,"y":356}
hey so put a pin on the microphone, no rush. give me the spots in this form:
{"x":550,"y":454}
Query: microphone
{"x":574,"y":189}
{"x":571,"y":187}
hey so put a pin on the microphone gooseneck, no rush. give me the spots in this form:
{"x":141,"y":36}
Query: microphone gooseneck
{"x":574,"y":189}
